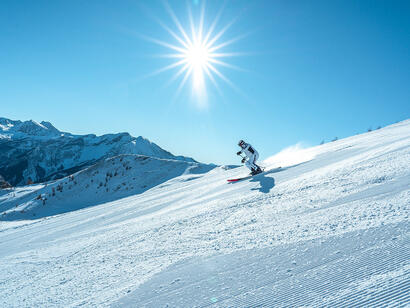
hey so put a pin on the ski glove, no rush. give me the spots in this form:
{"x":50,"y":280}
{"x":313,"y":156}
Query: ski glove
{"x":243,"y":160}
{"x":239,"y":153}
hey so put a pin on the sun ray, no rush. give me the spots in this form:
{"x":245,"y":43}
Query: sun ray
{"x":214,"y":23}
{"x":222,"y":76}
{"x":211,"y":77}
{"x":166,"y":28}
{"x":168,"y":67}
{"x":178,"y":73}
{"x":229,"y":54}
{"x":230,"y":83}
{"x":171,"y":55}
{"x":176,"y":21}
{"x":165,"y":44}
{"x":219,"y":34}
{"x":201,"y":22}
{"x":191,"y":24}
{"x":222,"y":63}
{"x":181,"y":85}
{"x":227,"y":43}
{"x":179,"y":39}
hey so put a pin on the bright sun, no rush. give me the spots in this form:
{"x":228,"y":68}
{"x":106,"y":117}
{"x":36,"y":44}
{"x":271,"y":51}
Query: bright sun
{"x":197,"y":56}
{"x":197,"y":53}
{"x":198,"y":59}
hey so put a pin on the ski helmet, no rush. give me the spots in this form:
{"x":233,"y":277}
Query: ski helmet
{"x":241,"y":143}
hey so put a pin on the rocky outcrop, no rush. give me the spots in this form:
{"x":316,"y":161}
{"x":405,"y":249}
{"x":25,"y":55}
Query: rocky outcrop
{"x":3,"y":183}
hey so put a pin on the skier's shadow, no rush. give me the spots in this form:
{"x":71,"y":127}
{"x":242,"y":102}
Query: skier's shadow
{"x":267,"y":183}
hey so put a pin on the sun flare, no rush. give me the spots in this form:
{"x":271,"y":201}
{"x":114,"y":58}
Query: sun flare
{"x":197,"y":52}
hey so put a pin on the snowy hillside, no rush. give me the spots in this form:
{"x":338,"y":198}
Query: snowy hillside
{"x":108,"y":180}
{"x":39,"y":152}
{"x":330,"y":228}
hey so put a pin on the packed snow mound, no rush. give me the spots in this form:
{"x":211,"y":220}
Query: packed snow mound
{"x":32,"y":152}
{"x":328,"y":231}
{"x":290,"y":156}
{"x":108,"y":180}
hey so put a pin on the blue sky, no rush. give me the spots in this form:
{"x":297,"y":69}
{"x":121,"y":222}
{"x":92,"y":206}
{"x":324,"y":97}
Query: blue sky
{"x":309,"y":71}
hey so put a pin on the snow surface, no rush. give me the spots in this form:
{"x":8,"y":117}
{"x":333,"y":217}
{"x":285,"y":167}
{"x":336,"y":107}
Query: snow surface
{"x":330,"y":228}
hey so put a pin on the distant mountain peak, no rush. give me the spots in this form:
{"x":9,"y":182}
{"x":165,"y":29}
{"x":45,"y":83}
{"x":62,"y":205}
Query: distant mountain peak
{"x":31,"y":127}
{"x":49,"y":126}
{"x":7,"y":124}
{"x":19,"y":129}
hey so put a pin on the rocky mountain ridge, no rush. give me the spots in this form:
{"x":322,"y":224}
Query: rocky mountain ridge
{"x":32,"y":152}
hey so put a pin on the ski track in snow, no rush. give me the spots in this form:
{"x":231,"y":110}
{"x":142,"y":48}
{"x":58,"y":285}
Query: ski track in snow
{"x":329,"y":231}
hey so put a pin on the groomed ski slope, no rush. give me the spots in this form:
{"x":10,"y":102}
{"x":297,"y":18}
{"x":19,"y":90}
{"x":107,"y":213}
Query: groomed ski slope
{"x":331,"y":228}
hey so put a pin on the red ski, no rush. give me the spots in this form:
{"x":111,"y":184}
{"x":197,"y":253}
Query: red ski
{"x":240,"y":179}
{"x":250,"y":176}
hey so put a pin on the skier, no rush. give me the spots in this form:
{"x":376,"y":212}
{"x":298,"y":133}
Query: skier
{"x":251,"y":156}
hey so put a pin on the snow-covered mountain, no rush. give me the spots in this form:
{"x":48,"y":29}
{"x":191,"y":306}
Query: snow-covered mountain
{"x":38,"y":152}
{"x":330,"y":228}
